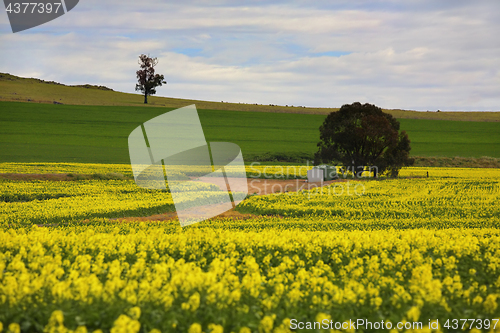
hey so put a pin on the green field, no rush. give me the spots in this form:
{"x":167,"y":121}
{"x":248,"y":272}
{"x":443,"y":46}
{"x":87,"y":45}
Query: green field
{"x":452,"y":138}
{"x":98,"y":134}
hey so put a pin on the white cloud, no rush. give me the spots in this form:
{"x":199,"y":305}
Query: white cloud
{"x":413,"y":54}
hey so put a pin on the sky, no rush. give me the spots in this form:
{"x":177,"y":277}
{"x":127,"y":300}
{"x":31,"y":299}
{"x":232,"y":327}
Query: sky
{"x":414,"y":55}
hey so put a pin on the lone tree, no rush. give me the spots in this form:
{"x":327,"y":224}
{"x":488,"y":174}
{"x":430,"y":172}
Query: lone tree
{"x":360,"y":136}
{"x":148,"y":80}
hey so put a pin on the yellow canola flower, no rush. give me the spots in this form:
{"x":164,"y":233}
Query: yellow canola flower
{"x":14,"y":328}
{"x":214,"y":328}
{"x":266,"y":324}
{"x":194,"y":328}
{"x":322,"y":316}
{"x":135,"y":313}
{"x":56,"y":323}
{"x":125,"y":324}
{"x":413,"y":314}
{"x":81,"y":329}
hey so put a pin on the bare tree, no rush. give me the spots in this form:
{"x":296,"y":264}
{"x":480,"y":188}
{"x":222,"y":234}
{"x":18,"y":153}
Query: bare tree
{"x":148,"y":80}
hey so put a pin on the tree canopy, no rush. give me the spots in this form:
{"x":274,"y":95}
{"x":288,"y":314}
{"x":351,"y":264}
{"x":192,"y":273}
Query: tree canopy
{"x":146,"y":77}
{"x":362,"y":135}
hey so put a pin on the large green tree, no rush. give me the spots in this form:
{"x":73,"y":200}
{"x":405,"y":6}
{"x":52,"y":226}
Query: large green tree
{"x":146,"y":77}
{"x":361,"y":136}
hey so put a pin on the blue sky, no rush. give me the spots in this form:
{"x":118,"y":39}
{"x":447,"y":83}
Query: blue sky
{"x":419,"y":55}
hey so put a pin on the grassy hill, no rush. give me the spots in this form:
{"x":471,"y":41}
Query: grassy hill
{"x":14,"y":88}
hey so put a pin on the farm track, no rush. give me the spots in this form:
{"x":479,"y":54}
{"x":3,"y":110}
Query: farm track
{"x":256,"y":186}
{"x":36,"y":176}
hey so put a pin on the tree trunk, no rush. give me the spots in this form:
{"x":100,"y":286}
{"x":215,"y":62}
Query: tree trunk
{"x":145,"y":98}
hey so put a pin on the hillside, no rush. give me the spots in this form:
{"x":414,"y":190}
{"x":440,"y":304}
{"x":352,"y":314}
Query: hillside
{"x":33,"y":132}
{"x":14,"y":88}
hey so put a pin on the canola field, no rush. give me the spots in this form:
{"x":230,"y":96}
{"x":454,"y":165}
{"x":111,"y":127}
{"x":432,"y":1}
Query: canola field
{"x":396,"y":254}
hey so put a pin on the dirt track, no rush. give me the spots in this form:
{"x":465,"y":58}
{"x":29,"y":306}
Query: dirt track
{"x":36,"y":176}
{"x":268,"y":186}
{"x":255,"y":186}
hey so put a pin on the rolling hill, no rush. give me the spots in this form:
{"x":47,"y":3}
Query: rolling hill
{"x":14,"y":88}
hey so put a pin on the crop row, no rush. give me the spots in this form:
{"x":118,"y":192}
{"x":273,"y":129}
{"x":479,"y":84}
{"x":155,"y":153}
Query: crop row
{"x":409,"y":201}
{"x":43,"y":202}
{"x":254,"y":170}
{"x":419,"y":198}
